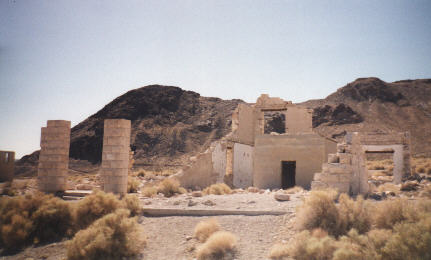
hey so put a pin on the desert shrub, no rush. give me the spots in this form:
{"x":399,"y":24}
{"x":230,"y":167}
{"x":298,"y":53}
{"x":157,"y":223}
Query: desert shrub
{"x":95,"y":206}
{"x":353,"y":214}
{"x":32,"y":218}
{"x":52,"y":220}
{"x":141,"y":173}
{"x":390,"y":212}
{"x":313,"y":245}
{"x":16,"y":233}
{"x":132,"y":203}
{"x":169,"y":187}
{"x":293,"y":190}
{"x":279,"y":252}
{"x":319,"y":211}
{"x":426,"y":192}
{"x":410,"y":240}
{"x":206,"y":228}
{"x":217,"y":189}
{"x":132,"y":184}
{"x":218,"y":246}
{"x":114,"y":236}
{"x":149,"y":191}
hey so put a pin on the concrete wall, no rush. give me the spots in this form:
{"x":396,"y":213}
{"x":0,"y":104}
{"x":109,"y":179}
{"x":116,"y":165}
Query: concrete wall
{"x":7,"y":164}
{"x":308,"y":150}
{"x":242,"y":165}
{"x":116,"y":155}
{"x":245,"y":127}
{"x":298,"y":120}
{"x":397,"y":158}
{"x":218,"y":158}
{"x":54,"y":156}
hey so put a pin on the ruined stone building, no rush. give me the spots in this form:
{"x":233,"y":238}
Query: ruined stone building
{"x":7,"y":165}
{"x":272,"y":145}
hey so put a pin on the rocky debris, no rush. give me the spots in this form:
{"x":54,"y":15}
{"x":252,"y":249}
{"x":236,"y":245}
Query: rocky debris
{"x":84,"y":186}
{"x":192,"y":203}
{"x":197,"y":194}
{"x":253,"y":189}
{"x":281,"y":197}
{"x":376,"y":196}
{"x":209,"y":203}
{"x":409,"y":186}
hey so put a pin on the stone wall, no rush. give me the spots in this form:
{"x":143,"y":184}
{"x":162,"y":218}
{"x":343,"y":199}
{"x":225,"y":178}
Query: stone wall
{"x":116,"y":155}
{"x":54,"y":156}
{"x":7,"y":165}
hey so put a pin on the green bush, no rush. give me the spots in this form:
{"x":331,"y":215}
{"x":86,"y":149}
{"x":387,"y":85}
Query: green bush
{"x":114,"y":236}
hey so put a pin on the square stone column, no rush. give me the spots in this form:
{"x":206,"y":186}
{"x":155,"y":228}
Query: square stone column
{"x":7,"y":165}
{"x":54,"y":156}
{"x":115,"y":155}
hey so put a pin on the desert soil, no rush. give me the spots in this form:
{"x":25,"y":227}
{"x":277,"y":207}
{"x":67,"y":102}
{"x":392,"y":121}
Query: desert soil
{"x":172,"y":237}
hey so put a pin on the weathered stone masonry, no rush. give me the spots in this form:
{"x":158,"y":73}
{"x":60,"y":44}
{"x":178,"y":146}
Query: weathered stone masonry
{"x":7,"y":164}
{"x":116,"y":155}
{"x":54,"y":156}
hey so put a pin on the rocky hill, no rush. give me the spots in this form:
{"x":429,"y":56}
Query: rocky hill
{"x":170,"y":124}
{"x":370,"y":104}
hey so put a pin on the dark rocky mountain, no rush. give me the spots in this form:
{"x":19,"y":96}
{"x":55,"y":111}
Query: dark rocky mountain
{"x":370,"y":104}
{"x":168,"y":125}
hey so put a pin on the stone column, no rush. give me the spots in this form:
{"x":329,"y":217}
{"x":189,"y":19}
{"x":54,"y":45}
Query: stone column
{"x":7,"y":164}
{"x":115,"y":155}
{"x":54,"y":156}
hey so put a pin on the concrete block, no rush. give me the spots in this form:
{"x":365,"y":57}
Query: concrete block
{"x":333,"y":158}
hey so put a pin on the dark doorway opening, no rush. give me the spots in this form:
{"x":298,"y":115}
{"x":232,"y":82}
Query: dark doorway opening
{"x":288,"y":170}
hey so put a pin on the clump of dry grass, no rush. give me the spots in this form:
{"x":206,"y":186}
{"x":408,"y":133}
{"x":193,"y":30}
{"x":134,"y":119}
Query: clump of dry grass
{"x":293,"y":190}
{"x":390,"y":212}
{"x":421,"y":165}
{"x":95,"y":206}
{"x":132,"y":203}
{"x":218,"y":245}
{"x":279,"y":252}
{"x":132,"y":184}
{"x":217,"y":189}
{"x":169,"y":187}
{"x":114,"y":236}
{"x":206,"y":228}
{"x":319,"y":211}
{"x":353,"y":214}
{"x":149,"y":191}
{"x":33,"y":218}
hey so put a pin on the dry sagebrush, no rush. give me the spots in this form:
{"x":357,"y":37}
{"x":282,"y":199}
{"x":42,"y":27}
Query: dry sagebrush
{"x":206,"y":228}
{"x":217,"y":189}
{"x":114,"y":236}
{"x":218,"y":246}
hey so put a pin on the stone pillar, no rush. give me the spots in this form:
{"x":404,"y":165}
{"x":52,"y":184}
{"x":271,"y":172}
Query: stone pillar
{"x":115,"y":155}
{"x":54,"y":156}
{"x":7,"y":165}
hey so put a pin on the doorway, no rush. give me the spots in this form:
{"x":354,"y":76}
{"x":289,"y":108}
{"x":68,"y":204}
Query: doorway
{"x":288,"y":171}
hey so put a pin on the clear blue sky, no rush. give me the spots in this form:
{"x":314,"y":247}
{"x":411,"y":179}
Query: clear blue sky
{"x":67,"y":59}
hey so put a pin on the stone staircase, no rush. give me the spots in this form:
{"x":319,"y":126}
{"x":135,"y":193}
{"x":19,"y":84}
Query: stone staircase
{"x":337,"y":172}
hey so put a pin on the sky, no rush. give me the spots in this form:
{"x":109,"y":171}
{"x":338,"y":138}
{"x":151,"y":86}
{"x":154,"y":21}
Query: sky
{"x":67,"y":59}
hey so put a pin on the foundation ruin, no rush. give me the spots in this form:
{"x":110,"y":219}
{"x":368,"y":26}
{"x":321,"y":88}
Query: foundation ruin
{"x":346,"y":170}
{"x":54,"y":156}
{"x":7,"y":165}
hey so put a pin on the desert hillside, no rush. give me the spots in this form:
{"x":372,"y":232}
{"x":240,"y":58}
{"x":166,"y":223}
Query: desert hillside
{"x":170,"y":124}
{"x":370,"y":104}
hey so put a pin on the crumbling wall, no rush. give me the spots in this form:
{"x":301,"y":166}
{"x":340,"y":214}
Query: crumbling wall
{"x":299,"y":120}
{"x":204,"y":169}
{"x":308,"y":150}
{"x":243,"y":124}
{"x":7,"y":165}
{"x":242,"y":165}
